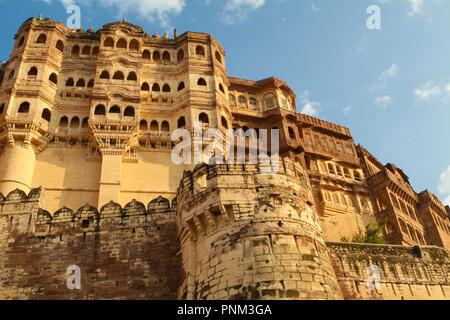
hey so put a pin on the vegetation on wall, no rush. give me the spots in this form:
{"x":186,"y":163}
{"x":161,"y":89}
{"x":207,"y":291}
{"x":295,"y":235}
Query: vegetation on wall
{"x":373,"y":234}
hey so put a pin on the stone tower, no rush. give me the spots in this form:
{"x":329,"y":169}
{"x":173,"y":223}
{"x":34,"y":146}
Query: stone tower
{"x":247,"y":235}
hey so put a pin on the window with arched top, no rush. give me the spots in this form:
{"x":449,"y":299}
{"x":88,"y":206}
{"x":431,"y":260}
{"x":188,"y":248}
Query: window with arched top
{"x":224,"y":123}
{"x":104,"y":75}
{"x":100,"y":110}
{"x":156,"y":87}
{"x":33,"y":71}
{"x":357,"y":175}
{"x":218,"y":57}
{"x":181,"y":123}
{"x":145,"y":87}
{"x":24,"y":107}
{"x":53,"y":78}
{"x":85,"y":123}
{"x":108,"y":43}
{"x":95,"y":51}
{"x":2,"y":108}
{"x":154,"y":126}
{"x":253,"y":102}
{"x":180,"y":55}
{"x":221,"y":88}
{"x":200,"y":51}
{"x":75,"y":51}
{"x":86,"y":51}
{"x":166,"y":88}
{"x":242,"y":101}
{"x":132,"y":76}
{"x":70,"y":82}
{"x":181,"y":86}
{"x":64,"y":122}
{"x":60,"y":45}
{"x":129,"y":112}
{"x":81,"y":83}
{"x":203,"y":118}
{"x":114,"y":109}
{"x":118,"y":75}
{"x":91,"y":83}
{"x":166,"y":56}
{"x":42,"y":38}
{"x":165,"y":127}
{"x":232,"y":98}
{"x":143,"y":125}
{"x":146,"y":55}
{"x":75,"y":123}
{"x":46,"y":115}
{"x":201,"y":82}
{"x":291,"y":133}
{"x":121,"y":44}
{"x":20,"y":42}
{"x":156,"y":56}
{"x":11,"y":74}
{"x":134,"y":45}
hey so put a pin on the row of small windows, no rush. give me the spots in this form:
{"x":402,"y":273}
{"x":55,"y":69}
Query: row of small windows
{"x":154,"y":126}
{"x":74,"y":123}
{"x":400,"y":205}
{"x":119,"y":75}
{"x":340,"y":171}
{"x":241,"y":99}
{"x":86,"y":51}
{"x":346,"y":201}
{"x":122,"y":44}
{"x":33,"y":73}
{"x":80,"y":83}
{"x":25,"y":108}
{"x":100,"y":110}
{"x":414,"y":234}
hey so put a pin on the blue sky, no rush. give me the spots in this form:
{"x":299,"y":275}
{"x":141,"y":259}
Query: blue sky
{"x":391,"y":87}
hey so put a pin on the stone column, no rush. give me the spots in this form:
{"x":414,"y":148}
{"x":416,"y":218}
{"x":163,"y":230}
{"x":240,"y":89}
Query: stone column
{"x":109,"y":189}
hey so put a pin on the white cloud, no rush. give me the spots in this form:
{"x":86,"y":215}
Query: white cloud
{"x":315,"y":8}
{"x":416,"y":7}
{"x":444,"y":185}
{"x":310,"y":107}
{"x":385,"y":75}
{"x":383,"y":101}
{"x":347,"y":110}
{"x":151,"y":10}
{"x":447,"y":201}
{"x":427,"y":91}
{"x":237,"y":10}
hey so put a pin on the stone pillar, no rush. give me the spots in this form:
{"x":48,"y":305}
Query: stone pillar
{"x":109,"y":188}
{"x":17,"y":164}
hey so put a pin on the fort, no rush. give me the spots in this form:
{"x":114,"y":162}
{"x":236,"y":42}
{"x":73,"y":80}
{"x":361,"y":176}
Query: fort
{"x":87,"y":179}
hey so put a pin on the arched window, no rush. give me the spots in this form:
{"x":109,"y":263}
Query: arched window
{"x":134,"y":45}
{"x":180,"y":55}
{"x":91,"y":83}
{"x":200,"y":51}
{"x":224,"y":123}
{"x":95,"y":51}
{"x":218,"y":57}
{"x":104,"y":75}
{"x":201,"y":82}
{"x":146,"y":55}
{"x":165,"y":126}
{"x":129,"y":112}
{"x":86,"y":51}
{"x":42,"y":38}
{"x":121,"y":44}
{"x":46,"y":115}
{"x":75,"y":51}
{"x":291,"y":133}
{"x":253,"y":102}
{"x":221,"y":88}
{"x":232,"y":98}
{"x":145,"y":87}
{"x":53,"y":78}
{"x":100,"y":110}
{"x":2,"y":108}
{"x":132,"y":76}
{"x":181,"y":122}
{"x":166,"y":88}
{"x":166,"y":56}
{"x":75,"y":123}
{"x":81,"y":83}
{"x":143,"y":125}
{"x":24,"y":107}
{"x":242,"y":101}
{"x":203,"y":118}
{"x":156,"y":87}
{"x":60,"y":45}
{"x":154,"y":126}
{"x":85,"y":123}
{"x":33,"y":71}
{"x":181,"y":86}
{"x":156,"y":56}
{"x":70,"y":82}
{"x":21,"y":41}
{"x":118,"y":75}
{"x":357,"y":176}
{"x":109,"y":43}
{"x":114,"y":109}
{"x":64,"y":122}
{"x":11,"y":74}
